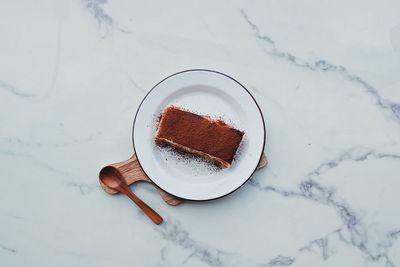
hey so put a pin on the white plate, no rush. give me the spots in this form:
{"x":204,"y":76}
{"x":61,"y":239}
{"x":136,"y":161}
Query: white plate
{"x":207,"y":93}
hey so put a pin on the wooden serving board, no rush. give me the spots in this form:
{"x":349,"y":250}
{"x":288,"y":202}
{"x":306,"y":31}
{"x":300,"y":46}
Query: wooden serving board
{"x":132,"y":173}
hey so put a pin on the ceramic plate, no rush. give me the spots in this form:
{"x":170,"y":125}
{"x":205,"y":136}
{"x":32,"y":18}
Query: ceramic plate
{"x":209,"y":93}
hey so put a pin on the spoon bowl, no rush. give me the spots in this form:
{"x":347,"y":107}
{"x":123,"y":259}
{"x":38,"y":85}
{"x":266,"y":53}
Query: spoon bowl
{"x":111,"y":177}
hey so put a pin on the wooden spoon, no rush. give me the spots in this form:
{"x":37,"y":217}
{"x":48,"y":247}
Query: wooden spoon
{"x":112,"y":178}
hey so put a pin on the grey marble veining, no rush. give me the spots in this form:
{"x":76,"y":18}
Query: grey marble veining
{"x":321,"y":65}
{"x":324,"y":74}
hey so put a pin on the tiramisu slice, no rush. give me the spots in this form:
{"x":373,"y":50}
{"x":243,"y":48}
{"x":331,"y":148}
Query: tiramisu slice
{"x":198,"y":135}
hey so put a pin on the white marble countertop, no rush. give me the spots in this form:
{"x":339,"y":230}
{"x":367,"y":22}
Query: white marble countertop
{"x":325,"y":73}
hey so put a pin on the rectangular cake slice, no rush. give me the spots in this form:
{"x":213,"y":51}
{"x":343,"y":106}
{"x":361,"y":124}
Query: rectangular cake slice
{"x":198,"y":135}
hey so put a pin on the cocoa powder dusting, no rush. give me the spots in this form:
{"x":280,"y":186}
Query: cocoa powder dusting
{"x":196,"y":132}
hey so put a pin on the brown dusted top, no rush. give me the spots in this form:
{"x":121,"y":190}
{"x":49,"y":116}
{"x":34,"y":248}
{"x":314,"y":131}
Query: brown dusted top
{"x":213,"y":137}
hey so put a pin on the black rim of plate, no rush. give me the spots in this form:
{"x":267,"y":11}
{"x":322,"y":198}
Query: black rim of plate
{"x":204,"y":70}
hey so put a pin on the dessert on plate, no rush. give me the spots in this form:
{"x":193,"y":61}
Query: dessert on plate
{"x":198,"y":135}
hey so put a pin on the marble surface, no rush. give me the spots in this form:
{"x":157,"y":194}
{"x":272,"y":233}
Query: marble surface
{"x":325,"y":73}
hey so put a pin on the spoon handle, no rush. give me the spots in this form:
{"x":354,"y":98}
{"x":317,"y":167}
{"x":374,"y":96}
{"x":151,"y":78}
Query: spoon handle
{"x":152,"y":214}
